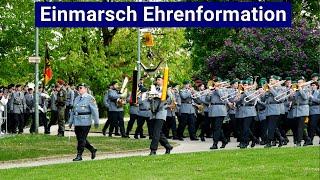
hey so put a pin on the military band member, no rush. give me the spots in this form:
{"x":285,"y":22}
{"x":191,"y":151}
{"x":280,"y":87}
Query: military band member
{"x":43,"y":109}
{"x":217,"y":113}
{"x":85,"y":110}
{"x":300,"y":109}
{"x":144,"y":114}
{"x":115,"y":111}
{"x":187,"y":113}
{"x":159,"y":114}
{"x":170,"y":123}
{"x":272,"y":109}
{"x":314,"y":118}
{"x":233,"y":98}
{"x":133,"y":116}
{"x":315,"y":77}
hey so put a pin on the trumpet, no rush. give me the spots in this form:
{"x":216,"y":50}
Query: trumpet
{"x":286,"y":94}
{"x":198,"y":94}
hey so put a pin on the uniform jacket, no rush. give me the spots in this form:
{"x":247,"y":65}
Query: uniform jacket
{"x":18,"y":103}
{"x":113,"y":96}
{"x":300,"y":103}
{"x":144,"y":106}
{"x":70,"y":97}
{"x":186,"y":102}
{"x":53,"y":99}
{"x":85,"y":110}
{"x":246,"y":109}
{"x":3,"y":103}
{"x":314,"y":102}
{"x":30,"y":102}
{"x":106,"y":100}
{"x":272,"y":106}
{"x":161,"y":111}
{"x":217,"y":107}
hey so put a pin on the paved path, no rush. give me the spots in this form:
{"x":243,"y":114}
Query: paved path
{"x":185,"y":146}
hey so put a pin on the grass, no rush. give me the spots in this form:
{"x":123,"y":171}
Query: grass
{"x":281,"y":163}
{"x":35,"y":146}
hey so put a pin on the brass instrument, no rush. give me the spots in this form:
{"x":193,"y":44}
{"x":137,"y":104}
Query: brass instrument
{"x":124,"y":93}
{"x":198,"y":94}
{"x":286,"y":94}
{"x":231,"y":95}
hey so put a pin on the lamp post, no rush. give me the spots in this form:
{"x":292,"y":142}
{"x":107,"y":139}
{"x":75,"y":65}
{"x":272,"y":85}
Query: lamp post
{"x":138,"y":60}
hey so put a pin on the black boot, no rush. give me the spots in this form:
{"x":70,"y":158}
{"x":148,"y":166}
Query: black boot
{"x":78,"y":158}
{"x":268,"y":145}
{"x":168,"y":149}
{"x":93,"y":153}
{"x":153,"y":152}
{"x":202,"y":138}
{"x":214,"y":146}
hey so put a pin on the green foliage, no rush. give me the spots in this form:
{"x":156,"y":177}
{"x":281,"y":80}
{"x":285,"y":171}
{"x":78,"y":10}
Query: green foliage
{"x":284,"y":163}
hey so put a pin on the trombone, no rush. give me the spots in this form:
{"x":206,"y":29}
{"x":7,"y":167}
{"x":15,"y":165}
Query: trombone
{"x":257,"y":93}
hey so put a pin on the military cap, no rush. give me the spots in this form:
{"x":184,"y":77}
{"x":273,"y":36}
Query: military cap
{"x":314,"y":75}
{"x":288,"y":79}
{"x":174,"y":84}
{"x":186,"y":82}
{"x":218,"y":79}
{"x":18,"y":85}
{"x":301,"y":78}
{"x":159,"y":77}
{"x":234,"y":81}
{"x":82,"y":85}
{"x":245,"y":82}
{"x":113,"y":83}
{"x":273,"y":77}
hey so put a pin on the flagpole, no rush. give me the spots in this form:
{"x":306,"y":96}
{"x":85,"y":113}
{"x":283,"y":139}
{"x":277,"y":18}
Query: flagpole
{"x":36,"y":107}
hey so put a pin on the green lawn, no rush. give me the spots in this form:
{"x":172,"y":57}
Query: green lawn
{"x":280,"y":163}
{"x":34,"y":146}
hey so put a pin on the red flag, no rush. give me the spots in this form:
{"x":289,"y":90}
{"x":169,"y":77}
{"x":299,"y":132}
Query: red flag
{"x":47,"y":68}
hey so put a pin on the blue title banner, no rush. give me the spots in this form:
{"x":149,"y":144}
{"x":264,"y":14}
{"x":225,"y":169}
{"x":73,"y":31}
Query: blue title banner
{"x":163,"y":14}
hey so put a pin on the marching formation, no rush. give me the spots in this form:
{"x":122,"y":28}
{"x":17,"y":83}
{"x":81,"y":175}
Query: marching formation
{"x":262,"y":112}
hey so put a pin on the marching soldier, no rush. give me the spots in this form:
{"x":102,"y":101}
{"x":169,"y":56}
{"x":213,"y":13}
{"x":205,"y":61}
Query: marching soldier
{"x":159,"y":114}
{"x":106,"y":103}
{"x":300,"y":109}
{"x":170,"y":123}
{"x":133,"y":116}
{"x":217,"y":113}
{"x":69,"y":100}
{"x":43,"y":108}
{"x":18,"y":107}
{"x":187,"y":113}
{"x":144,"y":114}
{"x":54,"y":109}
{"x":314,"y":103}
{"x":30,"y":108}
{"x":61,"y":102}
{"x":85,"y":110}
{"x":233,"y":98}
{"x":272,"y":110}
{"x":115,"y":111}
{"x":247,"y":112}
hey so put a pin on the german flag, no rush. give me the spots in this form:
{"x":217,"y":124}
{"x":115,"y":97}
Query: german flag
{"x":47,"y":67}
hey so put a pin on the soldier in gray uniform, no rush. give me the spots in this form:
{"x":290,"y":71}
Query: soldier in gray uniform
{"x":69,"y":100}
{"x":85,"y":110}
{"x":233,"y":98}
{"x":106,"y":103}
{"x":133,"y":117}
{"x":61,"y":107}
{"x":272,"y":110}
{"x":43,"y":109}
{"x":54,"y":109}
{"x":314,"y":111}
{"x":18,"y":107}
{"x":247,"y":113}
{"x":170,"y":123}
{"x":144,"y":114}
{"x":159,"y":114}
{"x":178,"y":101}
{"x":10,"y":118}
{"x":30,"y":107}
{"x":300,"y":109}
{"x":116,"y":112}
{"x":206,"y":125}
{"x":187,"y":113}
{"x":217,"y":113}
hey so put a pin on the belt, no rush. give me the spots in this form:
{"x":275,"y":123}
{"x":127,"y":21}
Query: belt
{"x":218,"y":104}
{"x":186,"y":102}
{"x":82,"y":113}
{"x":299,"y":104}
{"x":248,"y":105}
{"x":144,"y":109}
